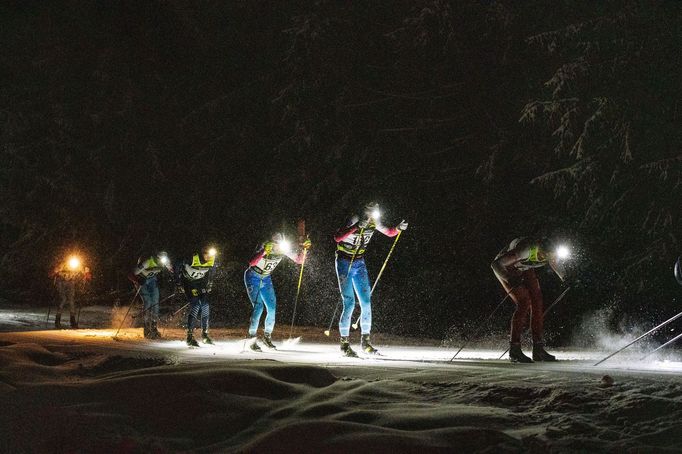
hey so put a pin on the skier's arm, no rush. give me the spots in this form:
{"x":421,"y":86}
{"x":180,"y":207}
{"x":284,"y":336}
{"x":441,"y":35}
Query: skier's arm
{"x":393,"y":231}
{"x":257,"y":256}
{"x":209,"y":278}
{"x":502,"y":266}
{"x":139,"y":269}
{"x":132,"y":277}
{"x":388,"y":231}
{"x":300,"y":257}
{"x":177,"y":272}
{"x":345,"y":232}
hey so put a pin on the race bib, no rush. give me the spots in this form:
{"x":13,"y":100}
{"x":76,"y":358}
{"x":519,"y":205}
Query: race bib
{"x":195,"y":273}
{"x":268,"y":265}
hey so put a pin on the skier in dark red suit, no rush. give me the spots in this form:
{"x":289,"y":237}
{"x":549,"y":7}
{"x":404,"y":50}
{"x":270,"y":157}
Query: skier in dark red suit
{"x":515,"y":268}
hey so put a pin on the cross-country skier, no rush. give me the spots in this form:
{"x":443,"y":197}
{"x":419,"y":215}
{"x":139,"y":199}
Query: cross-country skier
{"x":515,"y":268}
{"x":65,"y":277}
{"x":195,"y":278}
{"x":258,"y":282}
{"x":145,"y":275}
{"x":351,"y":243}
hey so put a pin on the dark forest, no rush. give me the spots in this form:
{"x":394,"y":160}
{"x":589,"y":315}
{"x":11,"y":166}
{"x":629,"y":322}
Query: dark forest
{"x":134,"y":126}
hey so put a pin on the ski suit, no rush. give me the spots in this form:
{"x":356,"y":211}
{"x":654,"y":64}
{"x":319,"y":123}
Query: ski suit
{"x":196,"y":278}
{"x":353,"y":279}
{"x":515,"y":268}
{"x":258,"y":282}
{"x":145,"y":275}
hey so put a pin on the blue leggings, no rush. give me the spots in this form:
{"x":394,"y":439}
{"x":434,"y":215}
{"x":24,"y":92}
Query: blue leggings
{"x":355,"y":281}
{"x":262,"y":294}
{"x":198,"y":307}
{"x":149,"y":291}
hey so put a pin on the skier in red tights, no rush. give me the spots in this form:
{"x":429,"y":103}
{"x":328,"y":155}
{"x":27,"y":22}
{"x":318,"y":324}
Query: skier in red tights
{"x":515,"y":268}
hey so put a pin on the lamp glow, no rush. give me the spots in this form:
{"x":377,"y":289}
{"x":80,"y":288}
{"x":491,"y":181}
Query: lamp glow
{"x":562,"y":252}
{"x":74,"y":263}
{"x":376,"y":214}
{"x":212,"y":252}
{"x":284,"y":246}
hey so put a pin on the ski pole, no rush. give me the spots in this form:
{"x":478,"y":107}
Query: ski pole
{"x":544,"y":313}
{"x":640,"y":337}
{"x":179,"y":310}
{"x":662,"y":346}
{"x":298,"y":292}
{"x":383,"y":267}
{"x":352,"y":259}
{"x":128,"y":311}
{"x":480,"y":327}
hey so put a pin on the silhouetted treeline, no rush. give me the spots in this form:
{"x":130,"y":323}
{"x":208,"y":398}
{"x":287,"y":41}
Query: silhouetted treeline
{"x":129,"y":126}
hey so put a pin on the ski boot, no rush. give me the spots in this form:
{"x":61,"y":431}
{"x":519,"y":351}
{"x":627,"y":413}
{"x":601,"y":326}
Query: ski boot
{"x":191,"y":341}
{"x":516,"y":354}
{"x":346,"y":349}
{"x":267,"y":340}
{"x":205,"y":339}
{"x":74,"y":323}
{"x":154,"y":331}
{"x":253,"y":344}
{"x":366,"y":346}
{"x":539,"y":353}
{"x":58,"y":321}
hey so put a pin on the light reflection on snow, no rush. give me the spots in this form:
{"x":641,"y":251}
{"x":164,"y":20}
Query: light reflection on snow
{"x":297,"y":350}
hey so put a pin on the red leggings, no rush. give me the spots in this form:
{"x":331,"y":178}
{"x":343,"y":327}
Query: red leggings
{"x":528,"y":298}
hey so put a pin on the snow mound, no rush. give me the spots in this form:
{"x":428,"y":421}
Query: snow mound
{"x":92,"y":394}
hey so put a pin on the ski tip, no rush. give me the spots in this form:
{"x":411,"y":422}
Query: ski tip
{"x":326,"y":333}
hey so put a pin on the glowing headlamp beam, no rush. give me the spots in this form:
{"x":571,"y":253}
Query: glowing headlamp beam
{"x":284,"y":246}
{"x":376,"y":214}
{"x":212,"y":252}
{"x":74,"y":262}
{"x":563,"y":253}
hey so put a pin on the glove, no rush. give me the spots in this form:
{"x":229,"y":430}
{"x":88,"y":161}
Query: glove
{"x":268,"y":247}
{"x":402,"y":226}
{"x":306,"y":244}
{"x":354,"y":219}
{"x":363,"y":224}
{"x":179,"y":288}
{"x":515,"y":281}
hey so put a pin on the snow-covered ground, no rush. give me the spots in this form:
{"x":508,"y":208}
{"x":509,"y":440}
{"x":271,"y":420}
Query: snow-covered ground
{"x":84,"y":391}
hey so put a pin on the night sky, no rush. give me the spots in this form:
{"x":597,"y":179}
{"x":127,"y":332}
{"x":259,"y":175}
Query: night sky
{"x":130,"y":126}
